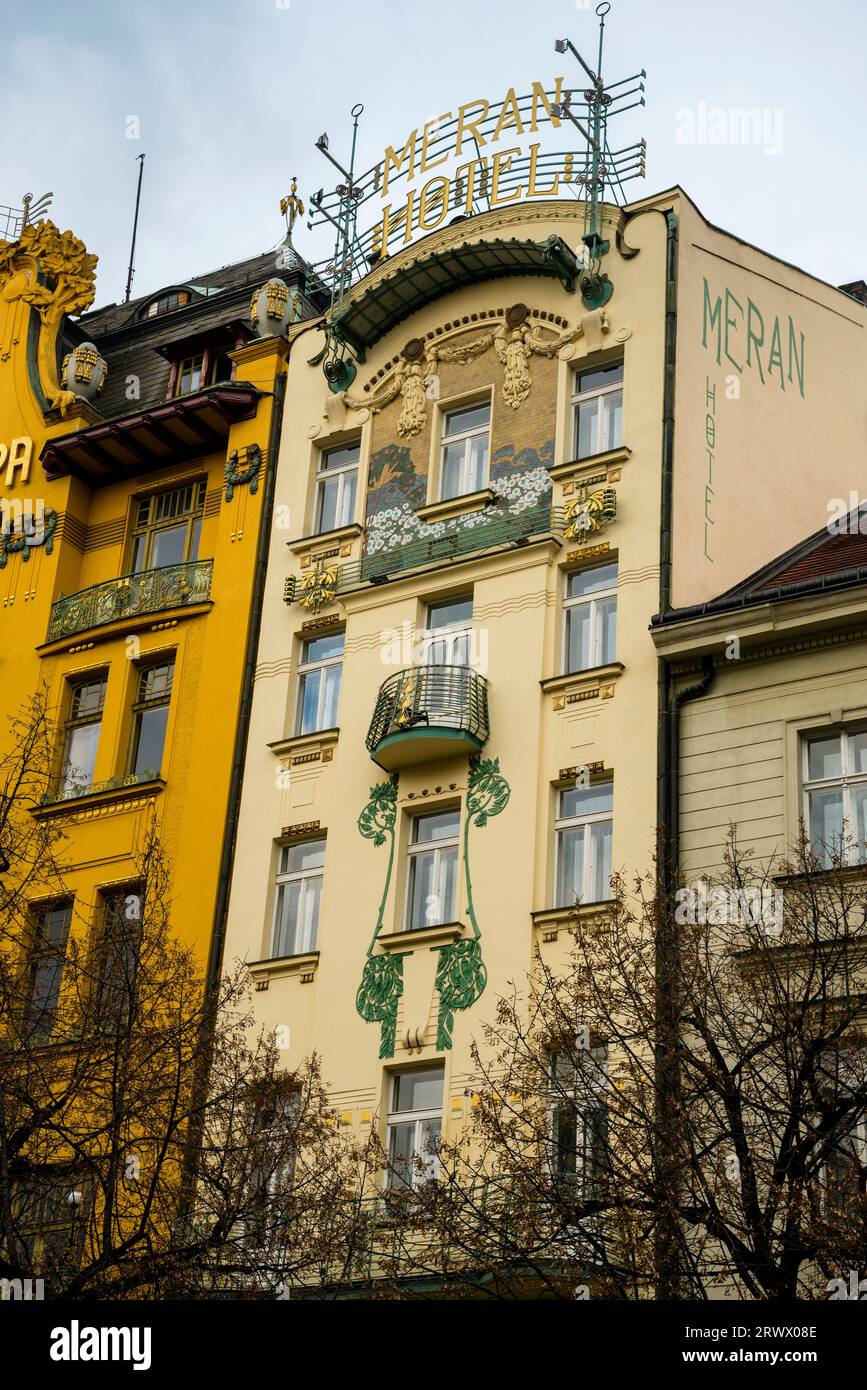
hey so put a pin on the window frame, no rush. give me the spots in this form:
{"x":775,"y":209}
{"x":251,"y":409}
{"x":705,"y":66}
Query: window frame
{"x":323,"y":473}
{"x":41,"y":951}
{"x":423,"y":1115}
{"x":292,"y":876}
{"x":432,"y":848}
{"x":117,"y":1017}
{"x":200,"y":380}
{"x":191,"y":517}
{"x":563,"y":823}
{"x":566,"y":1101}
{"x":844,"y":781}
{"x":75,"y":721}
{"x":465,"y":437}
{"x":448,"y":632}
{"x":596,"y":629}
{"x":306,"y":668}
{"x":141,"y":705}
{"x":579,"y":398}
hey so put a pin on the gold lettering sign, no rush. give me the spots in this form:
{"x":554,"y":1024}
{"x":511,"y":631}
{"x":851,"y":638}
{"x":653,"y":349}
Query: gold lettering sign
{"x":18,"y":454}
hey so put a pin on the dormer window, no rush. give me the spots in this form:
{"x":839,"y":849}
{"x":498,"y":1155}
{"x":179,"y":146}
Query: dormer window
{"x":191,"y":372}
{"x":173,"y":299}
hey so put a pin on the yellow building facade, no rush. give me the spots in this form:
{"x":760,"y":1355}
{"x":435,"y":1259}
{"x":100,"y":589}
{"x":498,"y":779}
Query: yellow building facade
{"x":460,"y":724}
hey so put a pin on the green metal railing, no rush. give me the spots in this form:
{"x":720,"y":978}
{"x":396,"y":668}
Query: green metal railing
{"x":150,"y":591}
{"x":70,"y":790}
{"x":435,"y":697}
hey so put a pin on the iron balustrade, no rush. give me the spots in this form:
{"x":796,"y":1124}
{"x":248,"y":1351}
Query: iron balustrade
{"x":435,"y":697}
{"x":149,"y":591}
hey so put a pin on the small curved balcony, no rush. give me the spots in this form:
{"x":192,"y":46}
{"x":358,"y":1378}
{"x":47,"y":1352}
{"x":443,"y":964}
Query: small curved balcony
{"x":148,"y":591}
{"x":428,"y":712}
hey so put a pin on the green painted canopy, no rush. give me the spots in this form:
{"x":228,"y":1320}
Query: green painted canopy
{"x":378,"y":309}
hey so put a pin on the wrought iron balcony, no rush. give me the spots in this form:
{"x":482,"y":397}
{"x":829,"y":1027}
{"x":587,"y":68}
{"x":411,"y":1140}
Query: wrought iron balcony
{"x":428,"y":712}
{"x":150,"y":591}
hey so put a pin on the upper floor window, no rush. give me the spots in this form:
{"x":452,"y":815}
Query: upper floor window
{"x":299,"y":893}
{"x":319,"y":674}
{"x":466,"y":442}
{"x":190,"y":374}
{"x":449,"y":632}
{"x":835,"y":791}
{"x":173,"y":299}
{"x":118,"y":957}
{"x":82,"y":734}
{"x":167,"y":528}
{"x":433,"y":869}
{"x":579,"y":1122}
{"x":274,"y":1133}
{"x":150,"y":717}
{"x":583,"y":850}
{"x":46,"y":968}
{"x":336,"y":484}
{"x":415,"y":1115}
{"x":590,"y":618}
{"x":597,"y":408}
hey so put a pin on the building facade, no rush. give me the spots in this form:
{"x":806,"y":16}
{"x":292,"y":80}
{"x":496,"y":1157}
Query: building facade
{"x":459,"y":721}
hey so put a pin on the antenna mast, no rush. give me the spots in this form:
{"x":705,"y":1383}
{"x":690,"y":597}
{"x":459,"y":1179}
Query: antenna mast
{"x":131,"y":271}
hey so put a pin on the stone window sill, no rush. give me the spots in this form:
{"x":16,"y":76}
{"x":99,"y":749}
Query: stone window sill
{"x":262,"y":972}
{"x":398,"y":942}
{"x":583,"y":685}
{"x":580,"y":470}
{"x":315,"y":747}
{"x":456,"y":506}
{"x":548,"y":922}
{"x":339,"y":541}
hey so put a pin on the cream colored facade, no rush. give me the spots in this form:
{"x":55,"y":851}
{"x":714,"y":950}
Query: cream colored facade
{"x":544,"y":726}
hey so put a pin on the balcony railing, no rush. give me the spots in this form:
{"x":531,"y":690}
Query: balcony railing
{"x":428,"y":711}
{"x":147,"y":592}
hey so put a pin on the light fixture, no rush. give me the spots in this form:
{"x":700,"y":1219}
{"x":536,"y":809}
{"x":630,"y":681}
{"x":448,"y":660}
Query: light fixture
{"x":322,"y":142}
{"x":560,"y":45}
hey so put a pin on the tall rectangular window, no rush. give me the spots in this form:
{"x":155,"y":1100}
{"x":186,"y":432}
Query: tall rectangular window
{"x":465,"y":450}
{"x":319,"y":674}
{"x":118,"y":957}
{"x":167,"y":528}
{"x":299,"y":893}
{"x":190,"y":374}
{"x":46,"y":968}
{"x":433,"y":870}
{"x":336,"y":484}
{"x":590,"y":618}
{"x":597,"y":410}
{"x":835,"y":791}
{"x":449,"y":632}
{"x":579,"y":1119}
{"x":414,"y":1127}
{"x":82,"y":735}
{"x":150,"y":718}
{"x":583,"y":850}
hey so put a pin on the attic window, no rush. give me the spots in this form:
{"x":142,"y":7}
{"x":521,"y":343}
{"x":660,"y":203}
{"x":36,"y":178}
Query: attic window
{"x":175,"y":299}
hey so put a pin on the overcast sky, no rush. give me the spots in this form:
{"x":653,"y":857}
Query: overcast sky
{"x":230,"y":96}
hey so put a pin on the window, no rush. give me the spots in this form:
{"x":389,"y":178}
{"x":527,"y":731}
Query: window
{"x":190,"y":374}
{"x":174,"y":299}
{"x":450,"y":632}
{"x":597,"y":407}
{"x":590,"y":618}
{"x":82,"y":735}
{"x":579,"y":1121}
{"x":167,"y":528}
{"x":842,"y":1074}
{"x":47,"y":1220}
{"x":319,"y":683}
{"x":433,"y":869}
{"x":835,"y":788}
{"x":299,"y":892}
{"x":465,"y":450}
{"x":584,"y":828}
{"x":119,"y":950}
{"x":414,"y":1127}
{"x":46,"y":969}
{"x":274,"y":1127}
{"x":150,"y":716}
{"x":336,"y":482}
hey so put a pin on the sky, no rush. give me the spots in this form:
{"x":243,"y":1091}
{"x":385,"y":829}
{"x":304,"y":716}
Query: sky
{"x":226,"y":98}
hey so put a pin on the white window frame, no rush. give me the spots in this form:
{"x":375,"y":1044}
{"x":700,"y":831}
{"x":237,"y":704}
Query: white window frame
{"x":418,"y":1118}
{"x":433,"y":848}
{"x":448,"y":632}
{"x":593,"y":393}
{"x":596,"y":629}
{"x":305,"y":668}
{"x":323,"y":474}
{"x":845,"y":781}
{"x":590,"y":818}
{"x":562,"y":1094}
{"x":304,"y":876}
{"x":465,"y":437}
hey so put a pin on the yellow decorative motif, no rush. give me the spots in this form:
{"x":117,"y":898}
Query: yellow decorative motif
{"x":589,"y":514}
{"x":318,"y":588}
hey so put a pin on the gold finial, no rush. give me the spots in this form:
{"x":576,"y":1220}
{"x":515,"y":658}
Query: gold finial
{"x":292,"y":206}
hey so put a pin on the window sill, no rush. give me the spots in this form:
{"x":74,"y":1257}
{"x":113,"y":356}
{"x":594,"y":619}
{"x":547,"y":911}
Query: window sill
{"x":341,"y":538}
{"x":598,"y":681}
{"x":306,"y":748}
{"x":103,"y":796}
{"x":548,"y":922}
{"x":580,"y":470}
{"x":456,"y":506}
{"x":432,"y":938}
{"x":262,"y":972}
